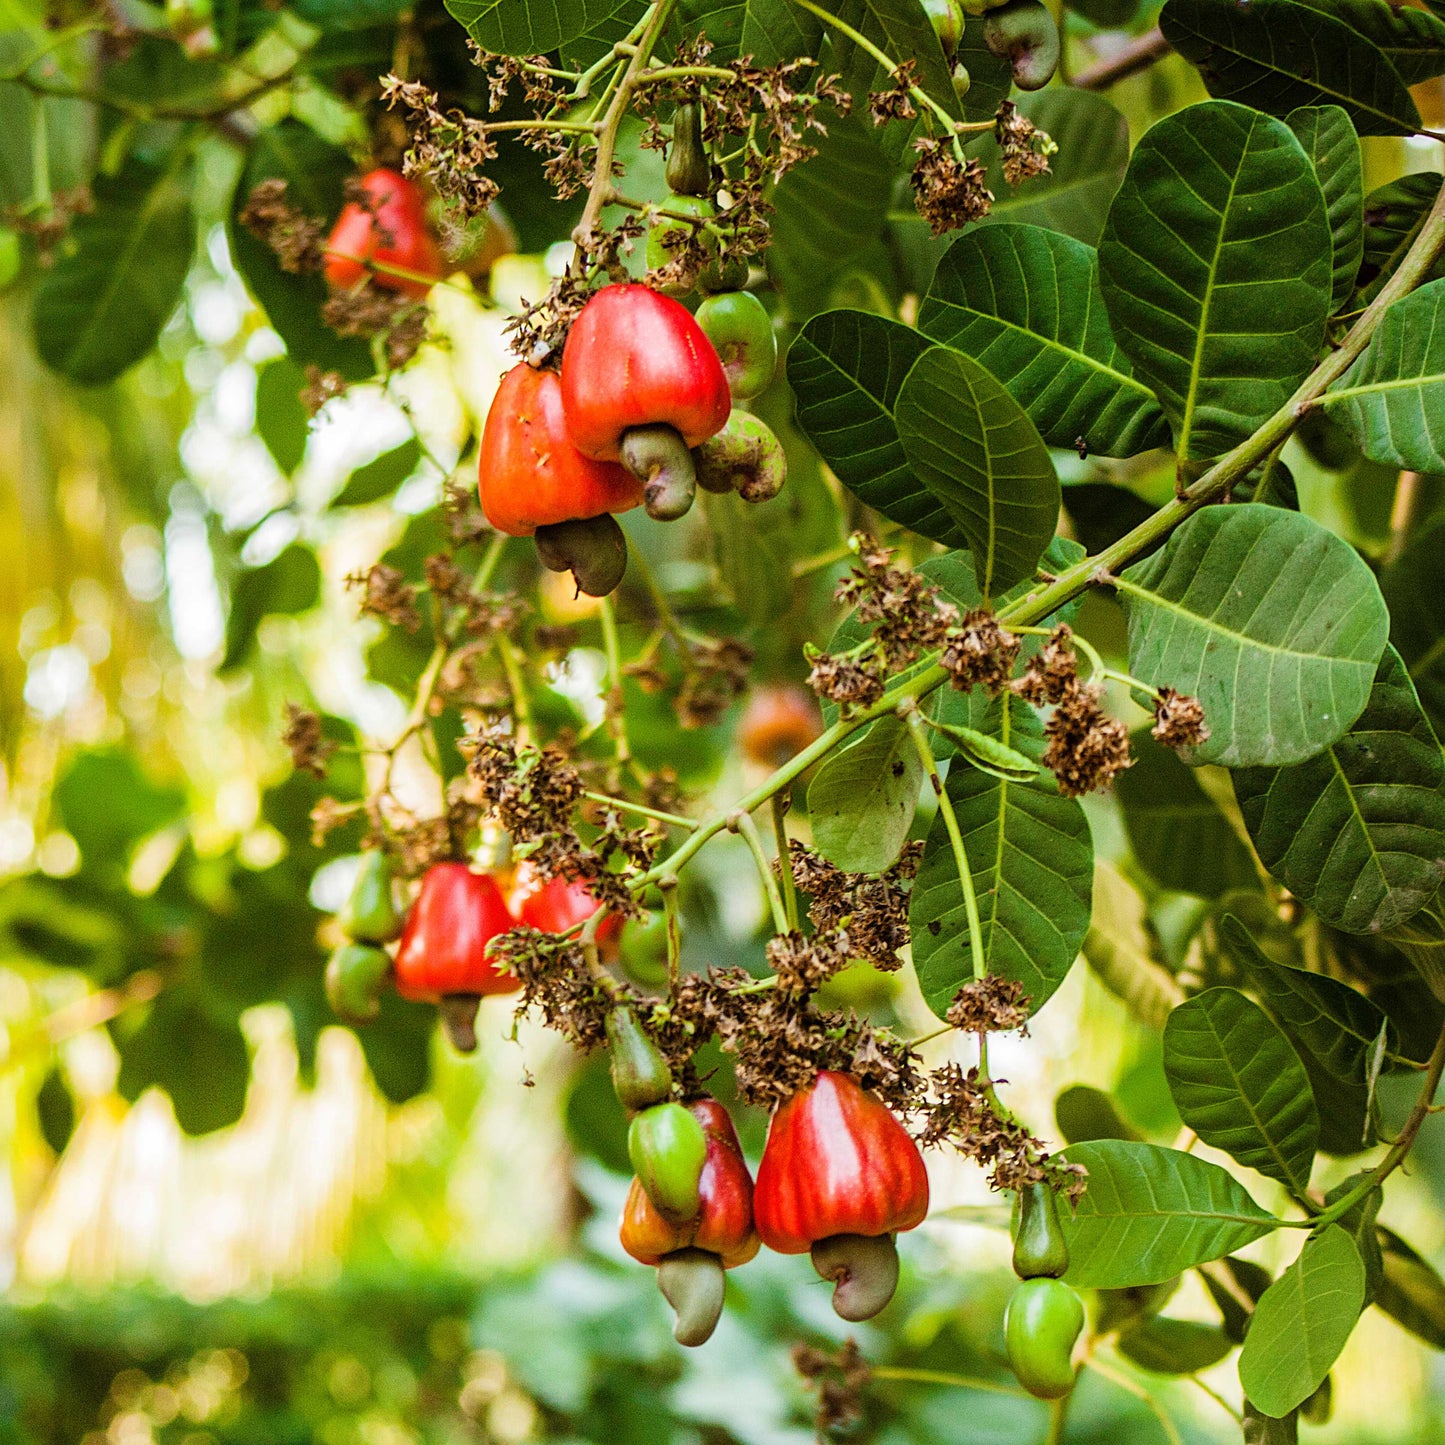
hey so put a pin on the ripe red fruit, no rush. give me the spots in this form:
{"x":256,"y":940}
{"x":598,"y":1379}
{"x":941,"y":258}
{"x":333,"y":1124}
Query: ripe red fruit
{"x":641,"y":384}
{"x":779,"y":721}
{"x":392,"y":229}
{"x":530,"y":475}
{"x":442,"y":955}
{"x":839,"y":1177}
{"x":555,"y":905}
{"x":724,"y":1222}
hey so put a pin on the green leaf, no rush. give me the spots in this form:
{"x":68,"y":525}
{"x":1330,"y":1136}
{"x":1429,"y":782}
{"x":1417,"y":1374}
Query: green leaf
{"x":1175,"y":828}
{"x":1333,"y":1021}
{"x":381,"y":477}
{"x":1238,"y":1083}
{"x":1412,"y":40}
{"x":1120,"y":949}
{"x":1215,"y":265}
{"x":1073,"y":198}
{"x":55,"y":1110}
{"x":1273,"y":623}
{"x":1391,"y":398}
{"x":1358,"y":832}
{"x":846,"y":369}
{"x":315,"y":174}
{"x":1106,"y":14}
{"x":397,"y":1045}
{"x":1411,"y":585}
{"x":1026,"y":304}
{"x":1329,"y":140}
{"x":861,"y":800}
{"x":1302,"y":1322}
{"x":769,"y":31}
{"x":1031,"y":860}
{"x":1394,"y":216}
{"x":1422,"y":941}
{"x":200,"y":1062}
{"x":1151,"y":1212}
{"x":520,"y":27}
{"x":1082,"y":1113}
{"x":107,"y":804}
{"x":1174,"y":1347}
{"x":289,"y":583}
{"x":980,"y":455}
{"x":1411,"y":1292}
{"x":1278,"y":55}
{"x":101,"y":307}
{"x":281,"y":419}
{"x":988,"y":754}
{"x":901,"y":29}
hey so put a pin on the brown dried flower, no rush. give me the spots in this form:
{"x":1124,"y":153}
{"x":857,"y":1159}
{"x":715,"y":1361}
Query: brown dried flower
{"x":979,"y":652}
{"x":990,"y":1005}
{"x":897,"y":102}
{"x":1024,"y":148}
{"x":1179,"y":720}
{"x":309,"y":745}
{"x":388,"y":595}
{"x":449,"y":148}
{"x":1052,"y":671}
{"x":320,"y":387}
{"x":1087,"y":749}
{"x":947,"y":192}
{"x":839,"y":1378}
{"x":298,"y":240}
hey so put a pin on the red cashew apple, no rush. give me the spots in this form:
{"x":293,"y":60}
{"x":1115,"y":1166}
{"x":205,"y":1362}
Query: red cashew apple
{"x":392,"y":230}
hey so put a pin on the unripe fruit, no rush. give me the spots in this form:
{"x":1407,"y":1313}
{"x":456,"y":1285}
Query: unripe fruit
{"x":779,"y":721}
{"x":354,"y":975}
{"x":741,"y":331}
{"x":1041,"y":1325}
{"x":689,"y":172}
{"x":1025,"y":34}
{"x":744,"y":457}
{"x":947,"y":19}
{"x":643,"y":949}
{"x":668,"y":235}
{"x":668,"y":1148}
{"x":370,"y":914}
{"x":1039,"y":1245}
{"x":640,"y":1075}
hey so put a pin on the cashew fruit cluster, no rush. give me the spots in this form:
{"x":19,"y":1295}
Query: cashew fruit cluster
{"x":839,"y":1178}
{"x":1045,"y":1316}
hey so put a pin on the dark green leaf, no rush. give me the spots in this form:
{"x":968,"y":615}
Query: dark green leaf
{"x":1026,"y":304}
{"x":1394,"y":214}
{"x":1411,"y":585}
{"x":397,"y":1045}
{"x":846,"y":369}
{"x":55,"y":1110}
{"x":1031,"y":859}
{"x":520,"y":27}
{"x":379,"y":478}
{"x":767,"y":30}
{"x":901,"y":29}
{"x":1412,"y":40}
{"x":1083,"y":1113}
{"x":1411,"y":1292}
{"x":101,"y":307}
{"x":289,"y":583}
{"x":1278,"y":55}
{"x":1174,"y":1347}
{"x":1176,"y":829}
{"x":1358,"y":832}
{"x":107,"y":804}
{"x":1238,"y":1083}
{"x":281,"y":419}
{"x":200,"y":1062}
{"x":980,"y":455}
{"x":1151,"y":1212}
{"x":862,"y":799}
{"x":1302,"y":1322}
{"x":1329,"y":140}
{"x":1215,"y":263}
{"x":1273,"y":623}
{"x":1230,"y":1283}
{"x":1107,"y":14}
{"x":1261,"y":1429}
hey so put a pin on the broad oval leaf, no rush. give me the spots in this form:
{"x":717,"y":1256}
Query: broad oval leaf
{"x":1358,"y":832}
{"x":379,"y":477}
{"x":1275,"y":624}
{"x":1394,"y":216}
{"x":1238,"y":1083}
{"x":1215,"y":265}
{"x":769,"y":31}
{"x":1412,"y":40}
{"x":1176,"y":830}
{"x":1411,"y":585}
{"x":281,"y":419}
{"x":1121,"y":951}
{"x":846,"y":369}
{"x":1151,"y":1212}
{"x":521,"y":27}
{"x":1025,"y":303}
{"x":1301,"y":1323}
{"x":1031,"y":859}
{"x":862,"y":799}
{"x":1174,"y":1347}
{"x":1392,"y":398}
{"x":1410,"y":1291}
{"x":899,"y":28}
{"x":1083,"y":1112}
{"x":101,"y":308}
{"x":980,"y":455}
{"x":1329,"y":140}
{"x":1278,"y":55}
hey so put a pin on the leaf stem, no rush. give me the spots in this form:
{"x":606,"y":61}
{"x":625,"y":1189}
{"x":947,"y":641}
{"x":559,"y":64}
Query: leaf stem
{"x":743,"y":824}
{"x":785,"y":860}
{"x":674,"y":820}
{"x":944,"y":1377}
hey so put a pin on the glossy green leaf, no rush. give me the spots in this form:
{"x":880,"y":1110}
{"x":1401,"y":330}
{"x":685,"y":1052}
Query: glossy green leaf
{"x":1394,"y":215}
{"x":1238,"y":1083}
{"x":1215,"y":263}
{"x":899,"y":28}
{"x":315,"y":173}
{"x":107,"y":804}
{"x":1174,"y":1347}
{"x":289,"y":583}
{"x":1277,"y":55}
{"x":1329,"y":140}
{"x":767,"y":30}
{"x":1422,"y":940}
{"x":520,"y":27}
{"x":1176,"y":829}
{"x":1031,"y":860}
{"x":1411,"y":1291}
{"x":1358,"y":832}
{"x":1025,"y":303}
{"x":1411,"y":584}
{"x":1411,"y":39}
{"x":1302,"y":1322}
{"x":281,"y":419}
{"x":1121,"y":950}
{"x":980,"y":455}
{"x":381,"y":477}
{"x":1337,"y":1024}
{"x":1082,"y":1112}
{"x":862,"y":799}
{"x":846,"y":369}
{"x":1392,"y":399}
{"x":101,"y":307}
{"x":1151,"y":1212}
{"x":1273,"y":623}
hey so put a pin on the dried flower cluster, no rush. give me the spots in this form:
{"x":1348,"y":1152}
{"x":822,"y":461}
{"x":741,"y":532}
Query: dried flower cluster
{"x":1024,"y":149}
{"x":990,"y":1005}
{"x":310,"y":748}
{"x":840,"y":1377}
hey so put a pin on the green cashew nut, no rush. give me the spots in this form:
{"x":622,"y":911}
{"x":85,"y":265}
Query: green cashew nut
{"x":1040,"y":1248}
{"x":594,"y":551}
{"x":1040,"y":1327}
{"x":1024,"y":33}
{"x":355,"y":973}
{"x":640,"y":1075}
{"x":689,"y":172}
{"x":693,"y":1283}
{"x":370,"y":914}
